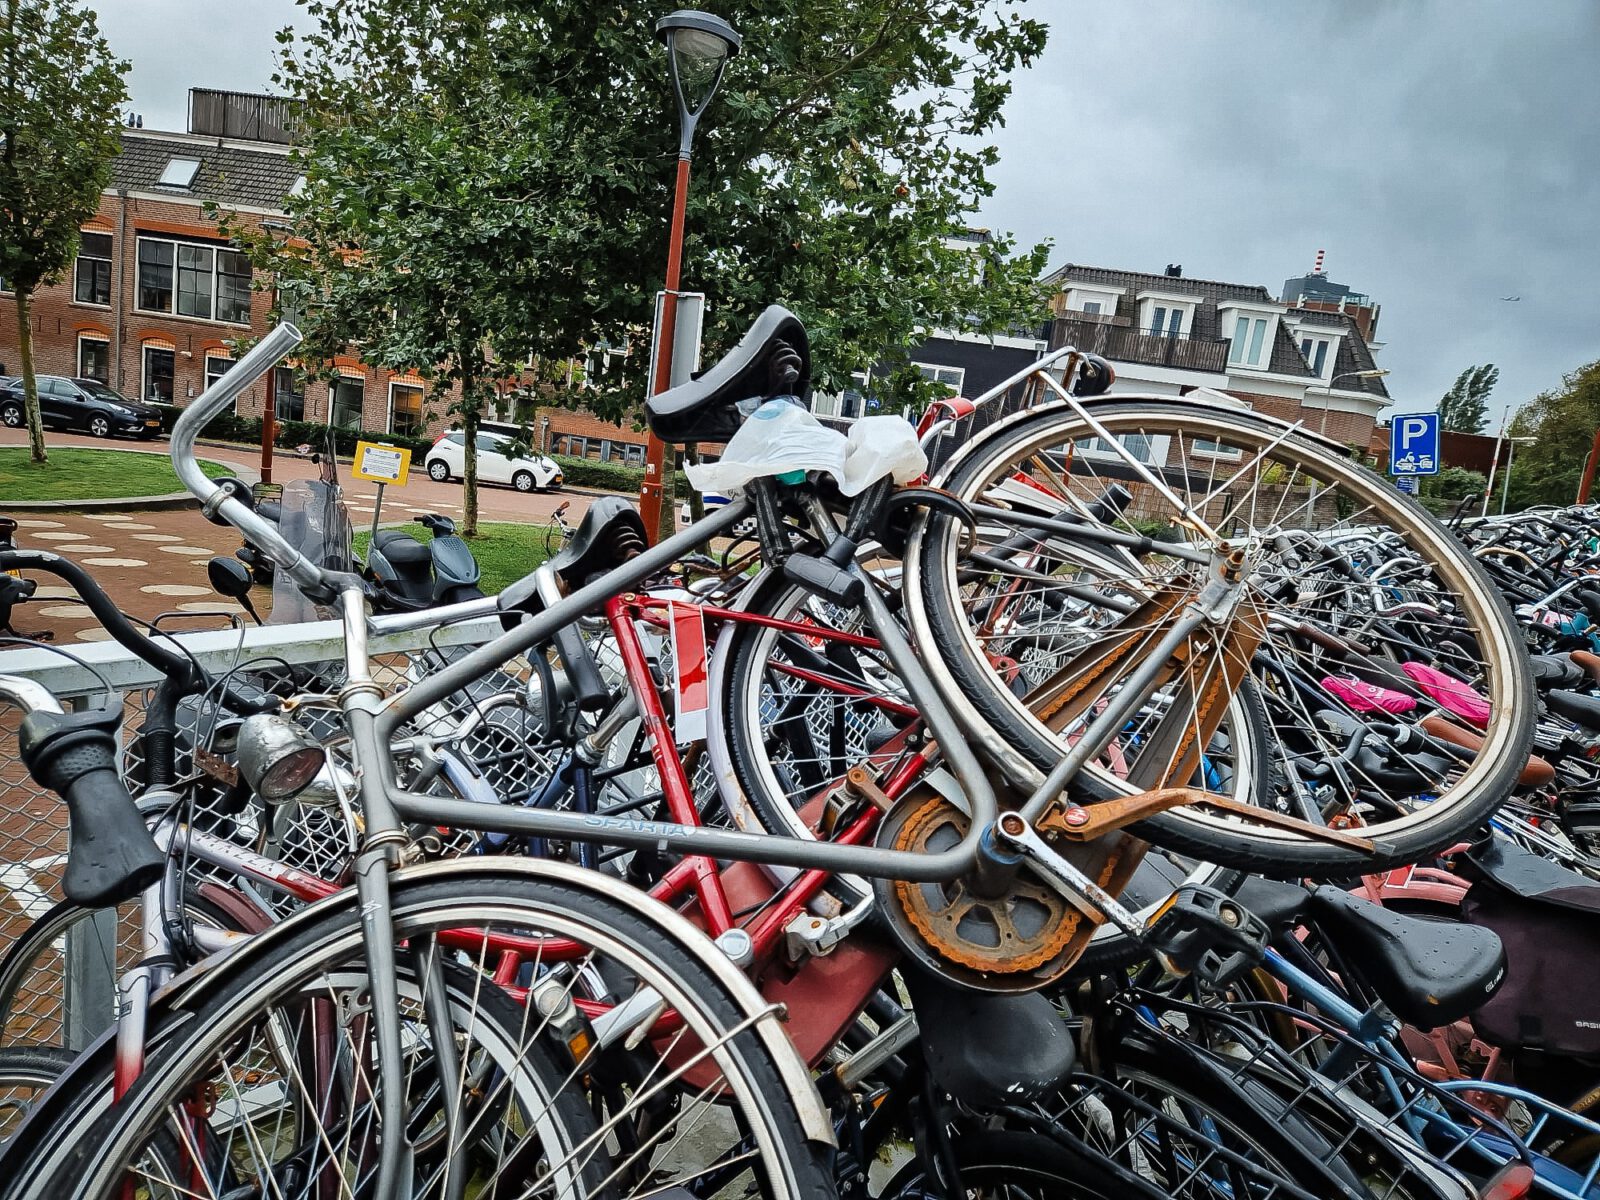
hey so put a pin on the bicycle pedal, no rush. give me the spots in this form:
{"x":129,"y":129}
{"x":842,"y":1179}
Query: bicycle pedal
{"x":1201,"y":931}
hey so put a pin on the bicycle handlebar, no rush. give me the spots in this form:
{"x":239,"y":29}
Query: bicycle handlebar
{"x":111,"y":856}
{"x":215,"y":499}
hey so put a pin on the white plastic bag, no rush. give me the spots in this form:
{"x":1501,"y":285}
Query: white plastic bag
{"x":782,"y":438}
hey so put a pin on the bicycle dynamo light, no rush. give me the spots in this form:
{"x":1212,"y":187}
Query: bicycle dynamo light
{"x":277,"y":758}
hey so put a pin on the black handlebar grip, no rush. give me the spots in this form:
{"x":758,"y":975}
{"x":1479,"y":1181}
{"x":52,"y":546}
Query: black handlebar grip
{"x":111,"y":856}
{"x":588,"y":689}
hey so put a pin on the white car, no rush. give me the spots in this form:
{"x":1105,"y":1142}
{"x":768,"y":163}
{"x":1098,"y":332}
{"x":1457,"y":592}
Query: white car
{"x":448,"y":460}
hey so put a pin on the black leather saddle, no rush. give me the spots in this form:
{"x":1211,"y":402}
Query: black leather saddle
{"x":989,"y":1049}
{"x":704,"y":409}
{"x":1281,"y":905}
{"x":1585,"y":710}
{"x":611,"y":533}
{"x":1429,"y":973}
{"x":1555,"y":671}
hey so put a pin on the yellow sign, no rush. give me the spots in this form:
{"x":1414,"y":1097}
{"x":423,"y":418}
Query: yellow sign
{"x":382,"y":464}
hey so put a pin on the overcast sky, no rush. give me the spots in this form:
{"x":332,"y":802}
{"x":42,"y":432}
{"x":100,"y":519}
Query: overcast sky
{"x":1445,"y":154}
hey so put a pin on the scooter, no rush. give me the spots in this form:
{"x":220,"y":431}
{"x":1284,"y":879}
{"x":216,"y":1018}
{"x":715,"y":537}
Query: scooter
{"x":412,"y":576}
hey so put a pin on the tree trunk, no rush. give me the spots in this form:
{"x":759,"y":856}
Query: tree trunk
{"x":697,"y":502}
{"x":469,"y":471}
{"x":30,"y":386}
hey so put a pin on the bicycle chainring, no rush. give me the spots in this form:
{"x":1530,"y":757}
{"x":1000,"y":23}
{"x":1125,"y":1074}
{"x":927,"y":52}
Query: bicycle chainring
{"x":1017,"y":942}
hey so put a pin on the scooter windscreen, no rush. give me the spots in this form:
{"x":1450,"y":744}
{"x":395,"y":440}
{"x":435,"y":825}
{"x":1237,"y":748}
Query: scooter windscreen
{"x":314,"y":521}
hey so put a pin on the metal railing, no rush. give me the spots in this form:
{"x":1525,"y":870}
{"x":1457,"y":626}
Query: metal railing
{"x":1125,"y":343}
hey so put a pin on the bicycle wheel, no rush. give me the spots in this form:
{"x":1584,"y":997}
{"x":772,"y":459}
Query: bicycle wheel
{"x":25,"y":1073}
{"x":281,"y":1044}
{"x":1005,"y":1165}
{"x":1062,"y":594}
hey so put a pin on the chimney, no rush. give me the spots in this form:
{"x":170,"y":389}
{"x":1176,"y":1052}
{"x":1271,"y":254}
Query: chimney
{"x":1317,"y":269}
{"x":1174,"y":270}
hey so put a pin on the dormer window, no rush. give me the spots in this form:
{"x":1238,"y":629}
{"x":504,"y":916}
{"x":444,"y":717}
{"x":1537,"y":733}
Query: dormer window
{"x":179,"y":173}
{"x":1165,"y":315}
{"x":1093,"y":301}
{"x":1318,"y":353}
{"x":1252,"y":345}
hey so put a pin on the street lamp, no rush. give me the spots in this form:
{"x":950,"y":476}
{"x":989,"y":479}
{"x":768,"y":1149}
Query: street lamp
{"x":1372,"y":373}
{"x":699,"y":46}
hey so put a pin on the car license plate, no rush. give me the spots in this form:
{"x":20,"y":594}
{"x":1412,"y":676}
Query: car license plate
{"x":152,"y":424}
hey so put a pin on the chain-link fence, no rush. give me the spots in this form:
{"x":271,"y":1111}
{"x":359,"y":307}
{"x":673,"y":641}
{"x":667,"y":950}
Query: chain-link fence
{"x":65,"y":993}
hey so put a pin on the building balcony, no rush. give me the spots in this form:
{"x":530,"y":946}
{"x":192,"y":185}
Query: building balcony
{"x":1122,"y":343}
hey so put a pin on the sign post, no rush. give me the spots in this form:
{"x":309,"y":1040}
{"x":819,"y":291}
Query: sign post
{"x":1413,"y":449}
{"x":381,"y":465}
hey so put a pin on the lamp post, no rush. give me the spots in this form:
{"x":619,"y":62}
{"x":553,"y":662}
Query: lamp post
{"x":699,"y":46}
{"x":1374,"y":373}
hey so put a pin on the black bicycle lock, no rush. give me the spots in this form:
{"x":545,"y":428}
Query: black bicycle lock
{"x":111,"y":856}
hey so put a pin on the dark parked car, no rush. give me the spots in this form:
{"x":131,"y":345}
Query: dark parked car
{"x":84,"y":404}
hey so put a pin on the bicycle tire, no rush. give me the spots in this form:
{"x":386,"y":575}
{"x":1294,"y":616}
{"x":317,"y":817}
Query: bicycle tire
{"x":1025,"y":749}
{"x":1027,"y":1166}
{"x":25,"y":1073}
{"x":434,"y":899}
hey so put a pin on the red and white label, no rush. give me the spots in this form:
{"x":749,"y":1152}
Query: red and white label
{"x":691,"y":690}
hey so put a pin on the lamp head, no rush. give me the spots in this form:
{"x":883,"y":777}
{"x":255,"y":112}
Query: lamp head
{"x":277,"y":758}
{"x":699,"y":46}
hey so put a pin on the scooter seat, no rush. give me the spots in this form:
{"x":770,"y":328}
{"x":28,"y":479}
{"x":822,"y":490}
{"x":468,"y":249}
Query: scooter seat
{"x":1429,"y":973}
{"x":402,"y":550}
{"x":611,"y":533}
{"x":704,"y":409}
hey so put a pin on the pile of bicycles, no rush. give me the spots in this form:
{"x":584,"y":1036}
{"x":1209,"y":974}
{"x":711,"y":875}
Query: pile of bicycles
{"x":1092,"y":818}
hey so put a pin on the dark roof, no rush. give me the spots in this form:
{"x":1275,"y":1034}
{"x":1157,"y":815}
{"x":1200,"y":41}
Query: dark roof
{"x":230,"y":172}
{"x":1212,"y":294}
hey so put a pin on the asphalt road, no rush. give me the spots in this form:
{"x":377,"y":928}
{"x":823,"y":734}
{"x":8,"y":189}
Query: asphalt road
{"x":420,"y":495}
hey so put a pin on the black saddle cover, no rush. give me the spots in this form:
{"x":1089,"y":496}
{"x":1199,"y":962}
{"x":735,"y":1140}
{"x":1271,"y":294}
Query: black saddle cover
{"x":705,"y":409}
{"x":1549,"y":919}
{"x":1429,"y":973}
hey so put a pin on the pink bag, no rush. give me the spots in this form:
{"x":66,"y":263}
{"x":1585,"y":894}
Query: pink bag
{"x":1463,"y":700}
{"x":1364,"y":697}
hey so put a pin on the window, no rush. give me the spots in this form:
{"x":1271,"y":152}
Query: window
{"x":633,"y":455}
{"x":345,"y":402}
{"x":576,"y":447}
{"x":951,"y":377}
{"x":1315,"y":351}
{"x":233,"y":287}
{"x":1249,"y":338}
{"x":179,"y":172}
{"x":288,"y":394}
{"x":1092,"y":307}
{"x":218,"y":365}
{"x":489,"y":444}
{"x":1209,"y":449}
{"x":156,"y":387}
{"x":92,"y":276}
{"x":191,"y":279}
{"x":1137,"y":444}
{"x":1166,"y":321}
{"x":405,"y":408}
{"x":155,"y":275}
{"x":94,"y":358}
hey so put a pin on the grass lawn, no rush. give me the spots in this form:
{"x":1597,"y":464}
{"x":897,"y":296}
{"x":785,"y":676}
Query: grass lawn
{"x":505,"y":551}
{"x":78,"y":474}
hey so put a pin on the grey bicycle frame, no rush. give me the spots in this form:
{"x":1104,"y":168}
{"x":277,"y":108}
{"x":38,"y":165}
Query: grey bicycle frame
{"x":372,"y":719}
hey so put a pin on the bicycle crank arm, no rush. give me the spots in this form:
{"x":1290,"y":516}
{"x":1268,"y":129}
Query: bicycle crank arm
{"x":1083,"y":893}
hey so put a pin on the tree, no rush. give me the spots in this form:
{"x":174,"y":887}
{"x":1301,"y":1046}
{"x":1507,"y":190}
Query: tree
{"x":1562,"y":423}
{"x":509,"y":166}
{"x":60,"y":104}
{"x":1464,"y":408}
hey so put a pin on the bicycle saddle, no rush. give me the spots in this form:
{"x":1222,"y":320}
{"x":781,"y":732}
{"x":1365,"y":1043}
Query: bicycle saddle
{"x":1585,"y":710}
{"x":987,"y":1048}
{"x":611,"y":533}
{"x":703,"y":410}
{"x":1555,"y":671}
{"x":1429,"y":973}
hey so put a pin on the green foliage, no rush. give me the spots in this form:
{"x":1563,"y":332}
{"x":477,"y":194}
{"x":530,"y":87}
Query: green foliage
{"x":1464,"y":408}
{"x":1441,"y":493}
{"x":605,"y":476}
{"x":488,"y":183}
{"x":60,"y":92}
{"x":1562,"y":423}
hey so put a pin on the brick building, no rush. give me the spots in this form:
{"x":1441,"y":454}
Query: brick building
{"x":155,"y":293}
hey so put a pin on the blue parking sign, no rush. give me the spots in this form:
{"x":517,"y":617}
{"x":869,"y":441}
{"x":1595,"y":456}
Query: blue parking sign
{"x":1407,"y":484}
{"x":1414,"y":445}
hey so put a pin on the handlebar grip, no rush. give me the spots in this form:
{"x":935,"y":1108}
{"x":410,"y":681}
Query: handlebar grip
{"x":111,"y":856}
{"x":588,"y":689}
